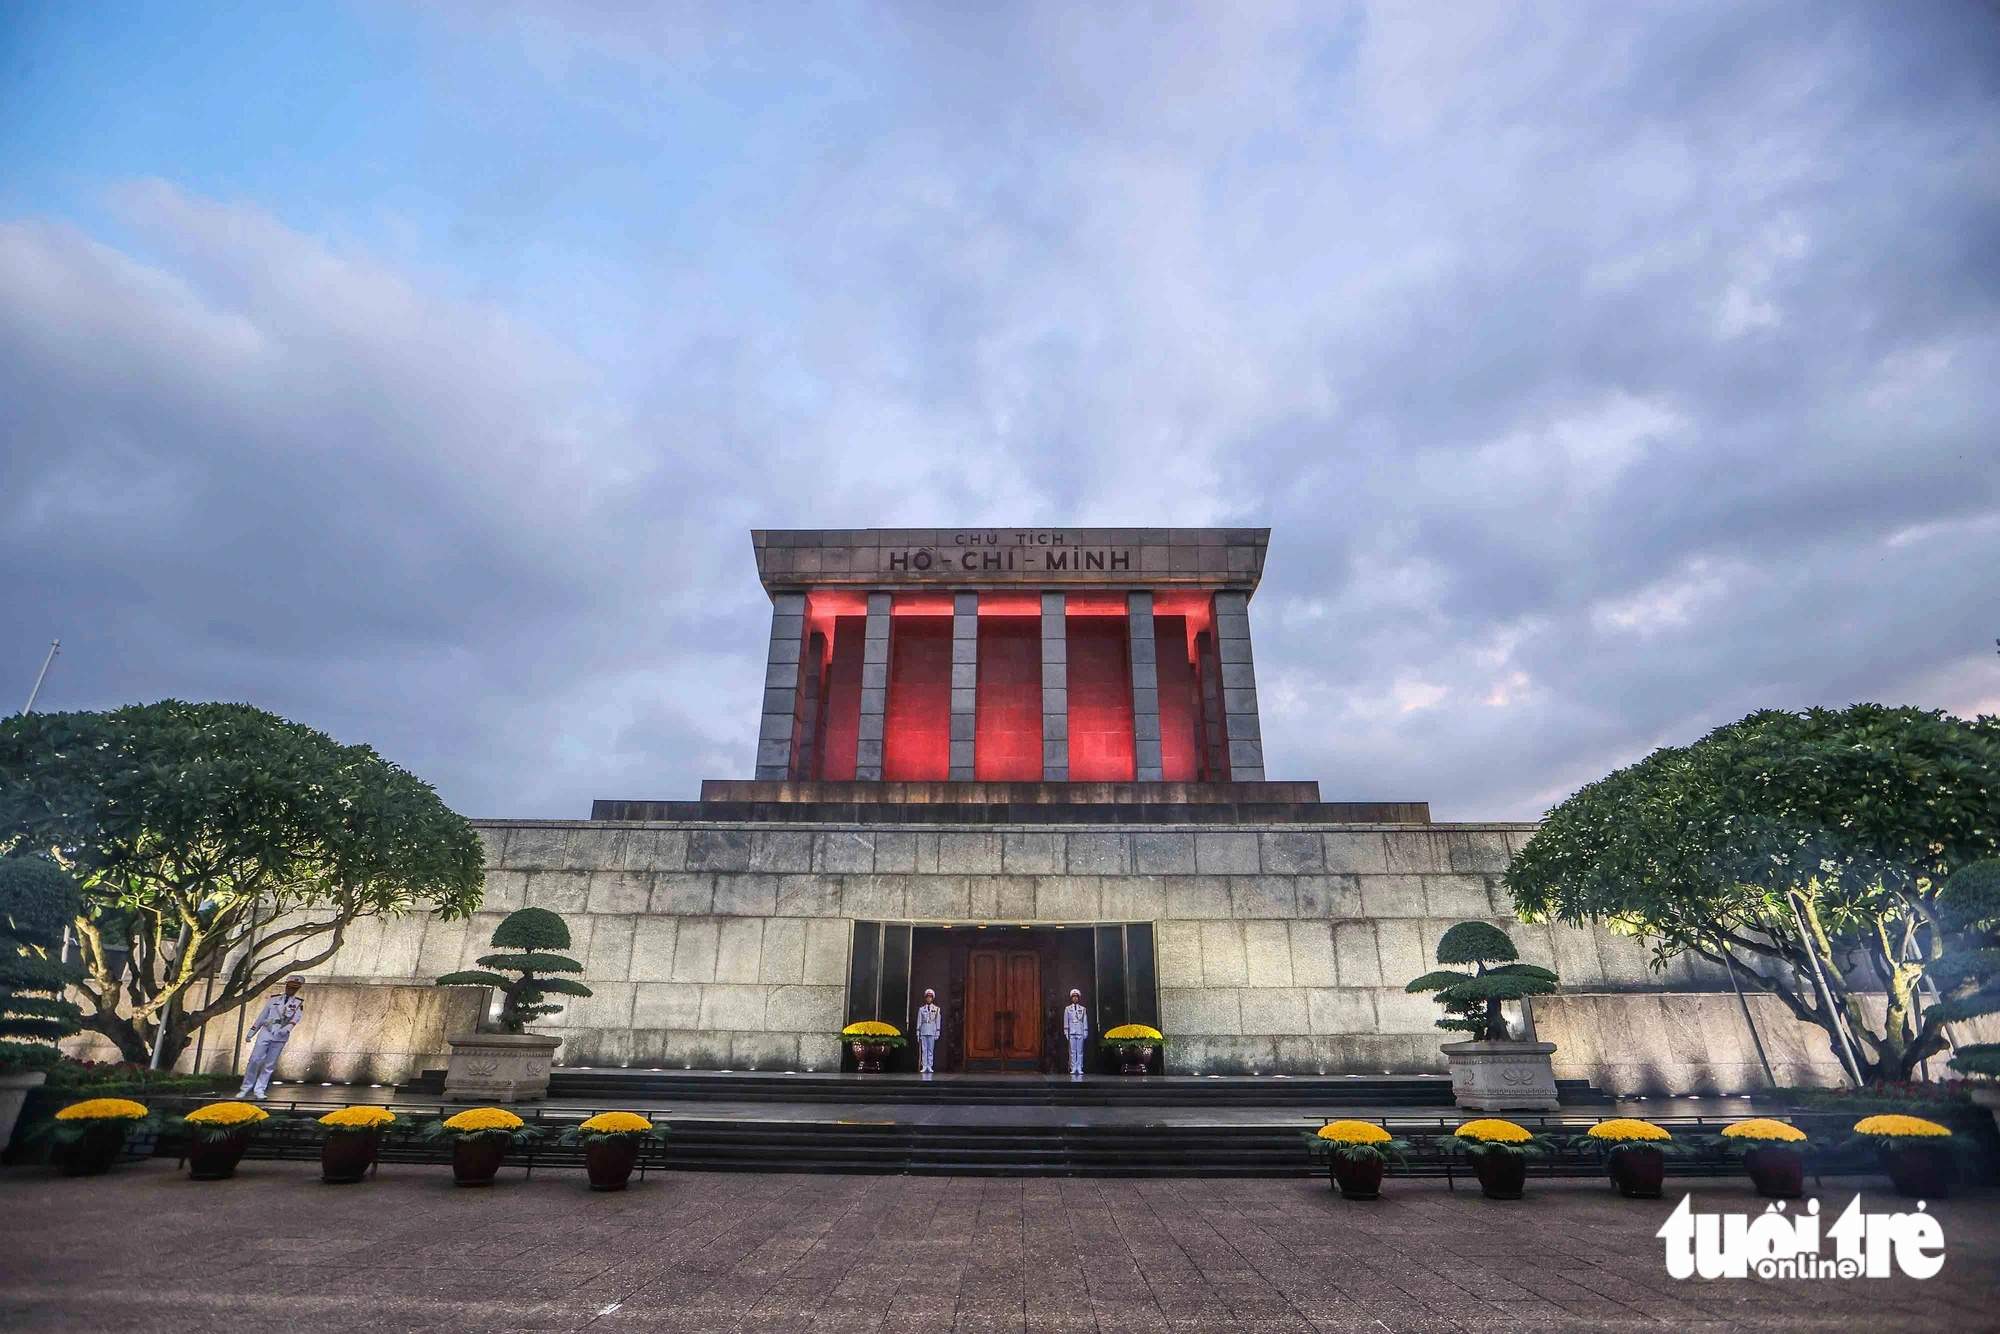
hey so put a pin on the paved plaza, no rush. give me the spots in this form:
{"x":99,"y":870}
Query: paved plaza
{"x":146,"y":1250}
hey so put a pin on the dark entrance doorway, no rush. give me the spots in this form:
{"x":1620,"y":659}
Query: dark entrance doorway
{"x":1003,"y":1009}
{"x":1002,"y":988}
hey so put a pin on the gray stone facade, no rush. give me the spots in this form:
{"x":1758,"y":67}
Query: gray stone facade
{"x":1280,"y":949}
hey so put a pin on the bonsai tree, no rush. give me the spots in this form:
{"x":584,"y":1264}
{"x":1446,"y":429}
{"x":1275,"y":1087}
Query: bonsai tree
{"x":1808,"y":851}
{"x":219,"y":848}
{"x":1967,"y":974}
{"x":37,"y":900}
{"x":1471,"y":1001}
{"x":530,"y":936}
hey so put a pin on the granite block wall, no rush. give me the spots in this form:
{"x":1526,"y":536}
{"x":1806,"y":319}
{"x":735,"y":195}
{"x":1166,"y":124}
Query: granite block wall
{"x":1281,"y":949}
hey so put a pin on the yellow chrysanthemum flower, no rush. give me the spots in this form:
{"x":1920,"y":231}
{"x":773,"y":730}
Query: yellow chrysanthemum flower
{"x":1500,"y":1132}
{"x":1137,"y":1031}
{"x":103,"y":1109}
{"x":1894,"y":1123}
{"x":484,"y":1118}
{"x":613,"y":1123}
{"x":1624,"y":1128}
{"x":871,"y":1028}
{"x":1353,"y":1132}
{"x":1764,"y":1128}
{"x":227,"y":1114}
{"x":358,"y":1118}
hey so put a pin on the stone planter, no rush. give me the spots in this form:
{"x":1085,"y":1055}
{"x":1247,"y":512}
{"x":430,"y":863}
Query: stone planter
{"x":1502,"y":1175}
{"x":1134,"y":1060}
{"x":475,"y":1161}
{"x":610,"y":1162}
{"x":92,"y":1153}
{"x":1637,"y":1170}
{"x":499,"y":1067}
{"x":1778,"y":1171}
{"x":1921,"y":1171}
{"x":1502,"y":1076}
{"x":216,"y":1159}
{"x":346,"y":1156}
{"x":868,"y":1056}
{"x":14,"y":1092}
{"x":1356,"y":1178}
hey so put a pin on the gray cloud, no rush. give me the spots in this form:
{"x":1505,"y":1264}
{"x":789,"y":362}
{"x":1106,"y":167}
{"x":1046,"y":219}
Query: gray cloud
{"x":1604,"y":375}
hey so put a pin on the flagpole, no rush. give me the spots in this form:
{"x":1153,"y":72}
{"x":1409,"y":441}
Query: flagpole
{"x":55,"y":647}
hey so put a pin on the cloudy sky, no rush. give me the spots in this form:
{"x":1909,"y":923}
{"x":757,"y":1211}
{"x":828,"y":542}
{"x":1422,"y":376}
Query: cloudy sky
{"x":1604,"y":372}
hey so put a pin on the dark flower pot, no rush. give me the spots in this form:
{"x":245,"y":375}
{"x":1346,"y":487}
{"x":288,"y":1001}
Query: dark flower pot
{"x":1921,"y":1171}
{"x":474,"y":1161}
{"x":1638,"y":1170}
{"x":1135,"y":1060}
{"x":868,"y":1056}
{"x":1502,"y":1176}
{"x":346,"y":1157}
{"x":216,"y":1159}
{"x":1357,"y":1178}
{"x":1777,"y":1171}
{"x":93,"y":1152}
{"x":610,"y":1161}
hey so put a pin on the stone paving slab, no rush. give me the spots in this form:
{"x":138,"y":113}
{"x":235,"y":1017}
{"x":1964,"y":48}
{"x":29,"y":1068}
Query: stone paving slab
{"x":144,"y":1249}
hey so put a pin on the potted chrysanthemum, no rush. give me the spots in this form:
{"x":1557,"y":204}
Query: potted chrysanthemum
{"x":872,"y":1041}
{"x":1771,"y":1155}
{"x":1500,"y":1151}
{"x":88,"y":1135}
{"x":1635,"y":1155}
{"x":1134,"y":1045}
{"x":218,"y":1135}
{"x":1356,"y":1154}
{"x":611,"y":1143}
{"x":480,"y":1138}
{"x":1917,"y":1154}
{"x":353,"y":1138}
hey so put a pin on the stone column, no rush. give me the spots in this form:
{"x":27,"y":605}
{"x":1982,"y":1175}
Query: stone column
{"x":1146,"y":763}
{"x":1055,"y":690}
{"x":781,"y":686}
{"x":1214,"y":749}
{"x":1239,"y":688}
{"x":964,"y":685}
{"x":874,"y":691}
{"x":806,"y":737}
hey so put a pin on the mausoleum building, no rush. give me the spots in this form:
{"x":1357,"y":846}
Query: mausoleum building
{"x":1001,"y":764}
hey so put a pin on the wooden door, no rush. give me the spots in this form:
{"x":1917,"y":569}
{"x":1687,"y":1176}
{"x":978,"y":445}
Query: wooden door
{"x":1003,"y":1009}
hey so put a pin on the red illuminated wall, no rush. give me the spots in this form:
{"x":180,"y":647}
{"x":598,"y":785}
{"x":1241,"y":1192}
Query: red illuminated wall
{"x":1100,"y":700}
{"x":1180,"y":702}
{"x":917,"y":732}
{"x":1010,"y":700}
{"x":840,"y":714}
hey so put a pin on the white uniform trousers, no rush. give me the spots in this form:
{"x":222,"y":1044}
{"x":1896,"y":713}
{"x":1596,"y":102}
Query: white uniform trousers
{"x":1076,"y":1053}
{"x":263,"y":1063}
{"x":926,"y":1053}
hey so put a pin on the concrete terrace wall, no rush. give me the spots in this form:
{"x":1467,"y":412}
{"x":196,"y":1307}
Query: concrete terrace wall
{"x":1281,"y":949}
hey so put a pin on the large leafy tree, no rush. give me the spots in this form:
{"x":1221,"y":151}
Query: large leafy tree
{"x":219,"y":847}
{"x":1808,"y":850}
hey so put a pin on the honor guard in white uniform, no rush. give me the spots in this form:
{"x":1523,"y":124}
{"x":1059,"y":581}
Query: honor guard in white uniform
{"x":930,"y":1022}
{"x":268,"y":1034}
{"x":1076,"y":1027}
